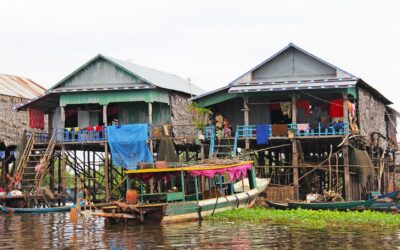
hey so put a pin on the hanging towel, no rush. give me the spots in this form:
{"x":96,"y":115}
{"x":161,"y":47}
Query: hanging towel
{"x":286,"y":108}
{"x":262,"y":134}
{"x":279,"y":129}
{"x":336,"y":108}
{"x":303,"y":127}
{"x":128,"y":145}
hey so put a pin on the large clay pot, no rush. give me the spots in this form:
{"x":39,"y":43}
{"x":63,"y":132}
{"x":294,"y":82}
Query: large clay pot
{"x":132,"y":196}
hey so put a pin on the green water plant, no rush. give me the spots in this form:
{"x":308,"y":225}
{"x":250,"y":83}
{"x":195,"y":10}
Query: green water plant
{"x":311,"y":218}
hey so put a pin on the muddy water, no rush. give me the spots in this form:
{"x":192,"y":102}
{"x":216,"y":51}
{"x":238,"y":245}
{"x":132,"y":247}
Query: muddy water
{"x":54,"y":231}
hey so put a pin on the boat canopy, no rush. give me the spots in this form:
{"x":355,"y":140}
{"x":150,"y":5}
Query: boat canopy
{"x":236,"y":170}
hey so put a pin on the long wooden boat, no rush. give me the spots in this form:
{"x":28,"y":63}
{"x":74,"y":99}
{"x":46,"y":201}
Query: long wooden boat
{"x":279,"y":206}
{"x":388,"y":195}
{"x":333,"y":205}
{"x":35,"y":210}
{"x":384,"y":206}
{"x":203,"y":190}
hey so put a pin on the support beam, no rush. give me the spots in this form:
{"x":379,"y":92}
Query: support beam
{"x":295,"y":154}
{"x":105,"y":115}
{"x":151,"y":123}
{"x":347,"y":184}
{"x":246,"y":119}
{"x":106,"y":184}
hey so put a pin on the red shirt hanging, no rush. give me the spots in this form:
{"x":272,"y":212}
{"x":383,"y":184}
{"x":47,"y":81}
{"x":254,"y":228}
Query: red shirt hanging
{"x":36,"y":119}
{"x":336,"y":108}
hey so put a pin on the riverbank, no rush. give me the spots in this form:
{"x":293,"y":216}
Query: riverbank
{"x":311,"y":218}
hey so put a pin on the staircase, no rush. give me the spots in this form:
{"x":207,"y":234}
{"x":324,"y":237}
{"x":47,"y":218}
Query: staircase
{"x":35,"y":153}
{"x":218,"y":148}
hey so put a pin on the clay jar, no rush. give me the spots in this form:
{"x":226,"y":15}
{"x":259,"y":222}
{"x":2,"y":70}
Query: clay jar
{"x":132,"y":196}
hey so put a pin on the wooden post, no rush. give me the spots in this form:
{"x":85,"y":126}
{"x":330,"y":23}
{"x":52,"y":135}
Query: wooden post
{"x":246,"y":119}
{"x":106,"y":172}
{"x":151,"y":124}
{"x":196,"y":187}
{"x":183,"y":184}
{"x":347,"y":184}
{"x":105,"y":115}
{"x":63,"y":156}
{"x":295,"y":154}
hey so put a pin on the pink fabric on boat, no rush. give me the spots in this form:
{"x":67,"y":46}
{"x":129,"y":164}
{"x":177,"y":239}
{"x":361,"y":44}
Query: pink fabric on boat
{"x":235,"y":172}
{"x":207,"y":173}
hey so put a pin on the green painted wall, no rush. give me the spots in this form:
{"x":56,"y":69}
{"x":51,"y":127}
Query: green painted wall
{"x":104,"y":98}
{"x":137,"y":112}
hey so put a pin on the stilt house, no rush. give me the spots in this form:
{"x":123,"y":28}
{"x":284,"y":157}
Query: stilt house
{"x":316,"y":127}
{"x":15,"y":90}
{"x":104,"y":91}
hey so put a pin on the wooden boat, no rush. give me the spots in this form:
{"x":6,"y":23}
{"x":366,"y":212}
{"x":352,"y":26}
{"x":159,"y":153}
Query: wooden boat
{"x":204,"y":190}
{"x":279,"y":206}
{"x":333,"y":205}
{"x":35,"y":210}
{"x":384,"y":206}
{"x":388,"y":195}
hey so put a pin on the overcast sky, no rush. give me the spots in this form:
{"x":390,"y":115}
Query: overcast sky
{"x":209,"y":41}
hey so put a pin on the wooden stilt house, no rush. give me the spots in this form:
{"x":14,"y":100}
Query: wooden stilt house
{"x":311,"y":122}
{"x":15,"y":90}
{"x":104,"y":91}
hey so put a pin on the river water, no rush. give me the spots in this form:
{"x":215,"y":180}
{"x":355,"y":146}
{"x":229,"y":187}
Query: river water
{"x":54,"y":231}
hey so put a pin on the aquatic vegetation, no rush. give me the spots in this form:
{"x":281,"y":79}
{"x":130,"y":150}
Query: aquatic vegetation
{"x":311,"y":218}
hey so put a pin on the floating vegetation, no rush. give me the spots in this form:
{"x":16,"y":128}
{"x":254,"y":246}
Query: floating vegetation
{"x":311,"y":218}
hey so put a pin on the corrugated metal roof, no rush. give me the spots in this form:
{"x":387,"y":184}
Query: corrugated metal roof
{"x":286,"y":86}
{"x":151,"y":76}
{"x":19,"y":86}
{"x":159,"y":78}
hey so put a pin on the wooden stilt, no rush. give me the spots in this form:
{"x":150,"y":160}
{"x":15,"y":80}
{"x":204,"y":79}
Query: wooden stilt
{"x":295,"y":155}
{"x":246,"y":119}
{"x":347,"y":184}
{"x":106,"y":180}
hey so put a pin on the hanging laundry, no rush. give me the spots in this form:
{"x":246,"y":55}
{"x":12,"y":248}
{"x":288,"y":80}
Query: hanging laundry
{"x":262,"y":134}
{"x":303,"y":127}
{"x":304,"y":104}
{"x":36,"y":118}
{"x":336,"y":108}
{"x":286,"y":108}
{"x":2,"y":154}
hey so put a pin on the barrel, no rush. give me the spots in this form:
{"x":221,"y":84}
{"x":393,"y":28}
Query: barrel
{"x":131,"y":196}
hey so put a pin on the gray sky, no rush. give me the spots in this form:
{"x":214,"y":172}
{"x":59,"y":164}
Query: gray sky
{"x":209,"y":41}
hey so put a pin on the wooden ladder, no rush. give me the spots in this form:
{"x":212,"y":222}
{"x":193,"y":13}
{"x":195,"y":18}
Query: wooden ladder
{"x":25,"y":157}
{"x":45,"y":163}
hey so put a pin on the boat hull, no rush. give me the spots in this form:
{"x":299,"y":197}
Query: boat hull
{"x":333,"y":205}
{"x":35,"y":210}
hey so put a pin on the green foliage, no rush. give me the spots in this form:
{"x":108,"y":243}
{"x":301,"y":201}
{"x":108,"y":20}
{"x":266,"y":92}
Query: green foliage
{"x":199,"y":115}
{"x":312,"y":218}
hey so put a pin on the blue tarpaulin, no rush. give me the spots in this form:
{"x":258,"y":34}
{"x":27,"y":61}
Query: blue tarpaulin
{"x":128,"y":145}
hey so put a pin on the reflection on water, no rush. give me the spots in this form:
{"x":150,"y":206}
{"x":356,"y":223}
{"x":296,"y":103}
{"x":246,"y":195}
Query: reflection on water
{"x":54,"y":231}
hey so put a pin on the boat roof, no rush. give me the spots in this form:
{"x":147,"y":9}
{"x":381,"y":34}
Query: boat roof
{"x":188,"y":168}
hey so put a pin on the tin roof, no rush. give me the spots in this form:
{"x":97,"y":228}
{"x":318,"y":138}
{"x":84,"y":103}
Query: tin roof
{"x":19,"y":86}
{"x":151,"y":76}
